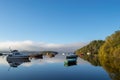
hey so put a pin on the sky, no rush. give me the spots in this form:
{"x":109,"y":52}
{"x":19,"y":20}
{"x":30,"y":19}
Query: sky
{"x":58,"y":21}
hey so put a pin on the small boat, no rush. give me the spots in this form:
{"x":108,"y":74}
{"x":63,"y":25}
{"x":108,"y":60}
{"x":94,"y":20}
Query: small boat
{"x":73,"y":56}
{"x":17,"y":54}
{"x":70,"y":60}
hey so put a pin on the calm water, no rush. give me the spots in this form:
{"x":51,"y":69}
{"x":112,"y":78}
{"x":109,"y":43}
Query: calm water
{"x":50,"y":69}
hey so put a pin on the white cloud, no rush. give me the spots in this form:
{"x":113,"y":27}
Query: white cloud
{"x":39,"y":46}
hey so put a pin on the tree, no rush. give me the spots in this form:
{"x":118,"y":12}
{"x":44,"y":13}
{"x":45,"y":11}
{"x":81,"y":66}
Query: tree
{"x":93,"y":47}
{"x":111,"y":47}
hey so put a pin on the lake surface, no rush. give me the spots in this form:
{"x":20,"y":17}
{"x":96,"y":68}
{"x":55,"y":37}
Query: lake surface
{"x":50,"y":69}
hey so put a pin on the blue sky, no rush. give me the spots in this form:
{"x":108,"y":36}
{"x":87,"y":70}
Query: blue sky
{"x":58,"y":21}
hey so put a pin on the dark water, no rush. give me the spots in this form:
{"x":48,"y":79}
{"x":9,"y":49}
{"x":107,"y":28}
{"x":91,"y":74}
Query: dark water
{"x":50,"y":69}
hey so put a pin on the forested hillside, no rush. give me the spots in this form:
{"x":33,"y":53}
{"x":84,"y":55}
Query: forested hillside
{"x":92,"y":48}
{"x":109,"y":47}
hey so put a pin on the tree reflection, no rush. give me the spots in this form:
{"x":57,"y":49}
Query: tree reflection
{"x":15,"y":62}
{"x":93,"y":59}
{"x":112,"y":66}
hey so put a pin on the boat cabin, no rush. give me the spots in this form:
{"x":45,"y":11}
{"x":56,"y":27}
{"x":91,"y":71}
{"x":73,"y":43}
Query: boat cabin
{"x":15,"y":52}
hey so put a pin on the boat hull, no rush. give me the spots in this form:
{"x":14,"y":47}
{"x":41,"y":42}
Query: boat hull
{"x":16,"y":57}
{"x":71,"y":57}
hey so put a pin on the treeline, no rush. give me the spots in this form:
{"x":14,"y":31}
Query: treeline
{"x":92,"y":48}
{"x":109,"y":55}
{"x":109,"y":47}
{"x":90,"y":52}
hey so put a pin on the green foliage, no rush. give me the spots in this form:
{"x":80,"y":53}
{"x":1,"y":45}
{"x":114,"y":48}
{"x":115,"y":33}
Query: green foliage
{"x":111,"y":47}
{"x":93,"y":59}
{"x":105,"y":53}
{"x":109,"y":55}
{"x":92,"y":47}
{"x":112,"y":66}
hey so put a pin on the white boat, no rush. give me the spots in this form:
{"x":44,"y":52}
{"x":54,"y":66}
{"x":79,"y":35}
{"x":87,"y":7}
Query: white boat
{"x":17,"y":54}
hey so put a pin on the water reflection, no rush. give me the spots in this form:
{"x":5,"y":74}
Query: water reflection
{"x":71,"y":60}
{"x":93,"y":59}
{"x":15,"y":62}
{"x":43,"y":67}
{"x":36,"y":56}
{"x":110,"y":64}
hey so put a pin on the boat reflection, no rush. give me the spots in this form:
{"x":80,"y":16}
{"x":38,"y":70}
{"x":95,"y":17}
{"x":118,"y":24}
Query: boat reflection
{"x":15,"y":62}
{"x":70,"y":60}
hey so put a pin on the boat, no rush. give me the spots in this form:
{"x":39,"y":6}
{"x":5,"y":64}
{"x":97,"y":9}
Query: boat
{"x":17,"y":54}
{"x":70,"y":60}
{"x":73,"y":56}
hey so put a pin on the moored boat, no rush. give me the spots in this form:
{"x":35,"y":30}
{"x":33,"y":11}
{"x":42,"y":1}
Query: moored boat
{"x":71,"y":57}
{"x":17,"y":54}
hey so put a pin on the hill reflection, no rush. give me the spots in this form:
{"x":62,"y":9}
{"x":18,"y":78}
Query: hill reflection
{"x":110,"y":64}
